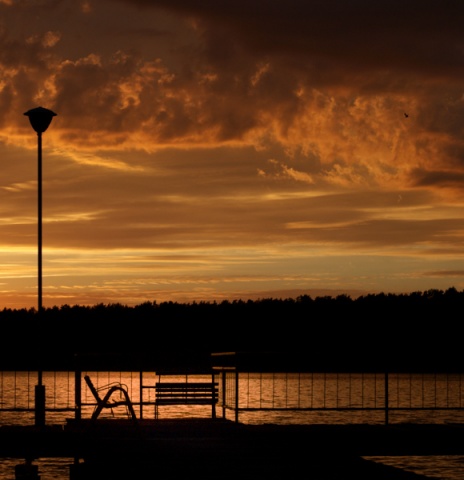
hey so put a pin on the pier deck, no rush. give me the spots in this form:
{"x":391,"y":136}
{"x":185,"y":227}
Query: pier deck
{"x":223,"y":449}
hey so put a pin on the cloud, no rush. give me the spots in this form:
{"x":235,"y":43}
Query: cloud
{"x":329,"y":78}
{"x":325,"y":82}
{"x":361,"y":34}
{"x":444,"y":179}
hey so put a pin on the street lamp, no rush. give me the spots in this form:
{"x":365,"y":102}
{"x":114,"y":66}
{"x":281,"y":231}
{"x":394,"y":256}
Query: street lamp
{"x":40,"y":119}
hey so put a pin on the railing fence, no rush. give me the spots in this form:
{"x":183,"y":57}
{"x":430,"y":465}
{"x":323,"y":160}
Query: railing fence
{"x":367,"y":397}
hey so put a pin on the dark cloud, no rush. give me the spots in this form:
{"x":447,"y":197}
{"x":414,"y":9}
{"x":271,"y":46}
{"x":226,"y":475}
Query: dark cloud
{"x":242,"y":68}
{"x":430,"y":178}
{"x":360,"y":34}
{"x":445,"y":273}
{"x":393,"y":233}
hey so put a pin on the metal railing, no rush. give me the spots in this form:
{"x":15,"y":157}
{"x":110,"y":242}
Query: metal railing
{"x":371,"y":397}
{"x":295,"y":397}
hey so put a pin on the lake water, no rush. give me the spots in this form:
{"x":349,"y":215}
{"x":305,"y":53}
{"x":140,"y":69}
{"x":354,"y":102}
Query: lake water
{"x":317,"y":393}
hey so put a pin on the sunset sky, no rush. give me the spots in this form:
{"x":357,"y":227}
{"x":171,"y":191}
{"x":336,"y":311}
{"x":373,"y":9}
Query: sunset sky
{"x":210,"y":150}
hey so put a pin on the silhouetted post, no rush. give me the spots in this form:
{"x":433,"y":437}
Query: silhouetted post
{"x":40,"y":118}
{"x":386,"y":398}
{"x":78,"y":394}
{"x":236,"y":394}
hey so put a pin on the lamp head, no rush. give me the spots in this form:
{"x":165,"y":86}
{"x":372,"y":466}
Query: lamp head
{"x":40,"y":118}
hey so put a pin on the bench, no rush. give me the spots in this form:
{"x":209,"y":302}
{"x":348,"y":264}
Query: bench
{"x":186,"y":393}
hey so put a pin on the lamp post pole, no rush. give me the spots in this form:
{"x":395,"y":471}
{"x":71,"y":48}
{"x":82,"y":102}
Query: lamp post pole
{"x":40,"y":118}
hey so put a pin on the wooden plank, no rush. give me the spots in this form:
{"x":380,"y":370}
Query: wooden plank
{"x":186,"y":401}
{"x":186,"y":384}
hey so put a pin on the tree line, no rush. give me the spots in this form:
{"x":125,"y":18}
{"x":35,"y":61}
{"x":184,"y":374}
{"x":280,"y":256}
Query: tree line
{"x":419,"y":331}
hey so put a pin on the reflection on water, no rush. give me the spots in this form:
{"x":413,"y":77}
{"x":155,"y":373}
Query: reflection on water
{"x":287,"y":394}
{"x":444,"y":467}
{"x":49,"y":468}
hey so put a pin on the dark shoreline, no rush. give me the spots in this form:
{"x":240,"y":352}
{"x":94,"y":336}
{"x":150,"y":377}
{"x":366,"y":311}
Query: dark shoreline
{"x":417,"y":332}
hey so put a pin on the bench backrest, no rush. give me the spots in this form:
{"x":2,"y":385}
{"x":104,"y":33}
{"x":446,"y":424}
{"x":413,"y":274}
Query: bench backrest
{"x":183,"y":391}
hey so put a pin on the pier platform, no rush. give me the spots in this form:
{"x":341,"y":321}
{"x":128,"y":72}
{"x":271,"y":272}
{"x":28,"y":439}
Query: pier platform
{"x":221,"y":449}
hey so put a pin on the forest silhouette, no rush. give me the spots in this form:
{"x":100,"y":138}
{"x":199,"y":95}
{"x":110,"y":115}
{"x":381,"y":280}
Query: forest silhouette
{"x":419,"y":331}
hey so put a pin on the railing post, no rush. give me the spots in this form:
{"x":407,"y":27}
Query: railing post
{"x":40,"y":405}
{"x":224,"y":397}
{"x":77,"y":395}
{"x":141,"y":394}
{"x":386,"y":398}
{"x":236,"y":395}
{"x":213,"y":394}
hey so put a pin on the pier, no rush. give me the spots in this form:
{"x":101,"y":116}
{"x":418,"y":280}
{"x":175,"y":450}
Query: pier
{"x":172,"y":449}
{"x":217,"y":444}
